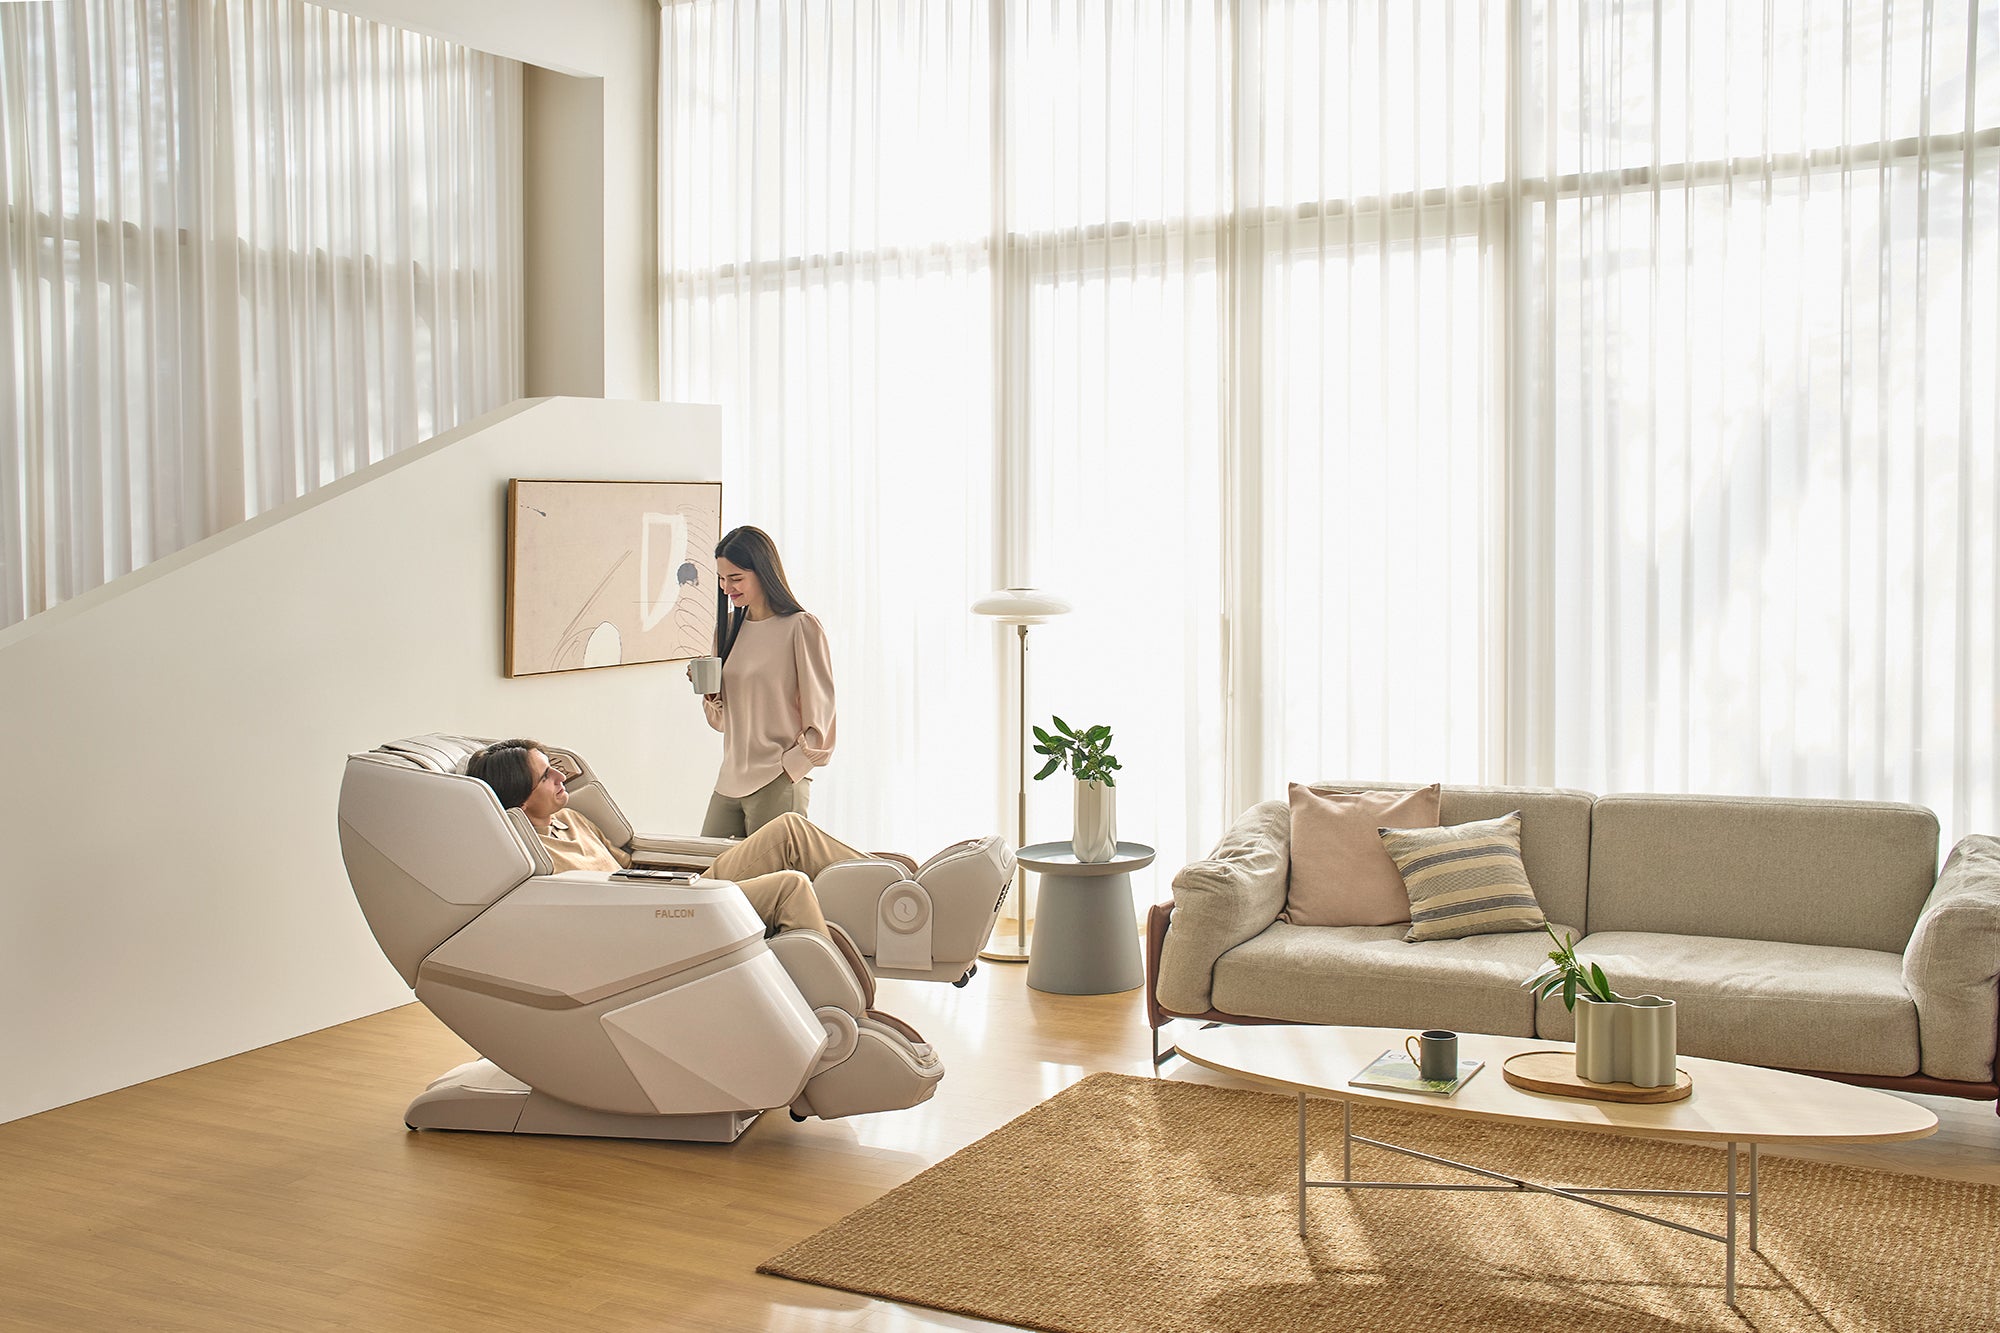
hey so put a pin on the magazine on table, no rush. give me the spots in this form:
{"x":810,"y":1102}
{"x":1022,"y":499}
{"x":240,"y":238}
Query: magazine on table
{"x":1394,"y":1071}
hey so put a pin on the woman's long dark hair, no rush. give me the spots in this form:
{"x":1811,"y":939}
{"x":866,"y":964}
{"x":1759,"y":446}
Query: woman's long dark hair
{"x":751,"y":549}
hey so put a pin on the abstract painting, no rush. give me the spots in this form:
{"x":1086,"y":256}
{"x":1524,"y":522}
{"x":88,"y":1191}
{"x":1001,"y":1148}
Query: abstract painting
{"x":609,"y":573}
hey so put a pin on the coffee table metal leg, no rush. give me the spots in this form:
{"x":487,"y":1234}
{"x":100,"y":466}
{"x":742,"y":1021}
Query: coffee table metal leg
{"x":1753,"y":1196}
{"x":1576,"y":1194}
{"x":1729,"y":1245}
{"x":1302,"y":1163}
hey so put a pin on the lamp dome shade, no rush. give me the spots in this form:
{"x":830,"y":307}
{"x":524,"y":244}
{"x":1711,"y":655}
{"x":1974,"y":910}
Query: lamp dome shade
{"x":1021,"y":606}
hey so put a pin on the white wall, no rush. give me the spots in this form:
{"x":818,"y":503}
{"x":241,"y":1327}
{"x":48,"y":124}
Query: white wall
{"x":562,"y":234}
{"x":172,"y":890}
{"x":617,"y":41}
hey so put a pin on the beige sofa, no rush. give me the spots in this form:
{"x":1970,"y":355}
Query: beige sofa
{"x":1810,"y":935}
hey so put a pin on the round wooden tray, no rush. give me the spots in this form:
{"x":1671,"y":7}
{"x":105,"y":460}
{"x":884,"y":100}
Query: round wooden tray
{"x":1555,"y":1072}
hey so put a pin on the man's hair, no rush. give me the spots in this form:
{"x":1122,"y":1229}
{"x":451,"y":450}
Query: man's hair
{"x":504,"y":767}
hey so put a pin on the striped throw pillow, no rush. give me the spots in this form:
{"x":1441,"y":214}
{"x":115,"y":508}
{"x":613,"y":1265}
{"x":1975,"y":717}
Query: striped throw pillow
{"x":1464,"y":879}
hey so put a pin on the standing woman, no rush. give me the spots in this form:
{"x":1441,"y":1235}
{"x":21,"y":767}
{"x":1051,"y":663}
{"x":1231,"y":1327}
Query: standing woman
{"x":775,"y":711}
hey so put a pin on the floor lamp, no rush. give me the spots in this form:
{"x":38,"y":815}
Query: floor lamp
{"x":1019,"y":607}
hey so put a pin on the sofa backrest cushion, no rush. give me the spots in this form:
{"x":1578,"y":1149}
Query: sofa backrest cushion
{"x":1340,"y":875}
{"x":1850,"y":874}
{"x":1555,"y":835}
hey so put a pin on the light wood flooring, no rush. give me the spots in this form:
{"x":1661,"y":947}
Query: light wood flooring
{"x":279,"y":1189}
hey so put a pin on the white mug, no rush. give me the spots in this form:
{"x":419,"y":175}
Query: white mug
{"x":706,"y":673}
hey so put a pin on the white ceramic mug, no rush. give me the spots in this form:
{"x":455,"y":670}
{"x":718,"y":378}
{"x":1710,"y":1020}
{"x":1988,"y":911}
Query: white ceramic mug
{"x":706,"y":673}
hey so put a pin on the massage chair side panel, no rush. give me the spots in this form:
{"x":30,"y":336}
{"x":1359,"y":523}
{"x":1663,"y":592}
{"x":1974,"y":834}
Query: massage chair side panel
{"x":929,"y":928}
{"x":638,"y":999}
{"x":426,"y":852}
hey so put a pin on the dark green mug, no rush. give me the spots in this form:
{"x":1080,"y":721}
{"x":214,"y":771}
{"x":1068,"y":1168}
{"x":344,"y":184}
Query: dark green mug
{"x":1435,"y":1055}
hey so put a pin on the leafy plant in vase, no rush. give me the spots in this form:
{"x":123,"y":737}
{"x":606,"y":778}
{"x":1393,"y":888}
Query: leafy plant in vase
{"x":1619,"y":1038}
{"x":1087,"y":755}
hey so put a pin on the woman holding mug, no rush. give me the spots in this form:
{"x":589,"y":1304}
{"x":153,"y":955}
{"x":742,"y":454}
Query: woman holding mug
{"x":775,"y":708}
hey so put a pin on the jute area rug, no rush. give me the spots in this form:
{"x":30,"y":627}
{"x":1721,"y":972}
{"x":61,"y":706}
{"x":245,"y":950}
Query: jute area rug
{"x":1141,"y":1204}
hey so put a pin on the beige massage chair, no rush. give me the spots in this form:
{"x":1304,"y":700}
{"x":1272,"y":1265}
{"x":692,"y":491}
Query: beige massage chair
{"x":641,"y":1009}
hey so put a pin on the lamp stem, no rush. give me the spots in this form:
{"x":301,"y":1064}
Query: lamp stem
{"x":1021,"y":805}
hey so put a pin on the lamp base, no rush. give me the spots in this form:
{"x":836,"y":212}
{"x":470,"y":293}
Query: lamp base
{"x":1007,"y":949}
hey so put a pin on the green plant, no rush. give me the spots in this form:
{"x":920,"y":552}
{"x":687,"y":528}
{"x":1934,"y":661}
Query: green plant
{"x":1086,"y":753}
{"x":1570,"y":975}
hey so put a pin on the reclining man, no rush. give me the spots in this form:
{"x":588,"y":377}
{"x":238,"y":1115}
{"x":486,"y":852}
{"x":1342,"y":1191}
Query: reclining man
{"x":774,"y":866}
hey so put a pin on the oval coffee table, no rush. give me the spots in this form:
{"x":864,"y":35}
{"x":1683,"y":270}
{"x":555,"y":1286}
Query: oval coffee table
{"x":1731,"y":1104}
{"x":1086,"y":931}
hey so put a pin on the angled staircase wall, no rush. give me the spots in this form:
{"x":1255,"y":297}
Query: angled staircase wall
{"x":172,"y":890}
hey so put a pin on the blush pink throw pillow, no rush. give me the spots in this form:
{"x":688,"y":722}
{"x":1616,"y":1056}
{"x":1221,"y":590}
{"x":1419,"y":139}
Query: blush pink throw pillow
{"x":1341,"y":875}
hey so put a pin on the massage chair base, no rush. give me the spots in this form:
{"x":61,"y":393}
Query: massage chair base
{"x":480,"y":1096}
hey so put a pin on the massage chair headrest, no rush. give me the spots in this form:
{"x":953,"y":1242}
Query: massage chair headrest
{"x":442,"y":752}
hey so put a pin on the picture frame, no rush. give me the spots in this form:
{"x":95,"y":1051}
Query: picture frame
{"x":609,"y":573}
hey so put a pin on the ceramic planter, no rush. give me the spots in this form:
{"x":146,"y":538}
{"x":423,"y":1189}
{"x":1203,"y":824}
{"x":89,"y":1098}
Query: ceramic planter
{"x":1631,"y":1041}
{"x":1095,"y":839}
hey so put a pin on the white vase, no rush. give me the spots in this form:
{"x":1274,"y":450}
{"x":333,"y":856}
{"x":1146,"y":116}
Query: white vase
{"x":1095,"y":839}
{"x":1632,"y":1041}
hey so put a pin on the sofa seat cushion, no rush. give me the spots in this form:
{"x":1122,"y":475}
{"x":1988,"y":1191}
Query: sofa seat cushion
{"x":1366,"y":976}
{"x":1787,"y":1006}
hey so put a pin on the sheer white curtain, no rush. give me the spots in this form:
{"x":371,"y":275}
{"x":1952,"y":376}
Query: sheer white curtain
{"x":951,"y":269}
{"x":1116,"y":162}
{"x":249,"y":247}
{"x":827,"y":213}
{"x":1376,"y":233}
{"x":1567,"y":391}
{"x":1765,"y":349}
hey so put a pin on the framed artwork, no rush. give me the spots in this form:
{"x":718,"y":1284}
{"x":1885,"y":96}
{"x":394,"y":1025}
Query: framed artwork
{"x":609,"y":573}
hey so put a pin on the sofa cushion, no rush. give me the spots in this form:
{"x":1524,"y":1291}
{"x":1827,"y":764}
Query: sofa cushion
{"x":1851,"y":874}
{"x":1368,"y":977}
{"x":1465,"y":879}
{"x":1952,"y":966}
{"x":1555,"y":834}
{"x":1341,"y":876}
{"x":1790,"y":1006}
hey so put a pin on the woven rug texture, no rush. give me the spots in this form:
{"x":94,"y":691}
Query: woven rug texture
{"x":1138,"y":1205}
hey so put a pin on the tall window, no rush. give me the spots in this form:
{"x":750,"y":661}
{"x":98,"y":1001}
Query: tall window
{"x":248,"y":247}
{"x":1766,"y":379}
{"x":1590,"y":392}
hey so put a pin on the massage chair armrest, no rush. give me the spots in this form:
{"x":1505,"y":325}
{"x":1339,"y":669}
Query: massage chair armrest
{"x":683,"y":849}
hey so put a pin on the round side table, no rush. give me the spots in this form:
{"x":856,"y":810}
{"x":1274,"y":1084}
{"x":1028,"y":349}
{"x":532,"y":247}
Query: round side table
{"x":1086,"y":931}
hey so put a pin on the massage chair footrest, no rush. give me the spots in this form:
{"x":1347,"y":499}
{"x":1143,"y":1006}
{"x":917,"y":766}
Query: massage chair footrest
{"x":889,"y":1070}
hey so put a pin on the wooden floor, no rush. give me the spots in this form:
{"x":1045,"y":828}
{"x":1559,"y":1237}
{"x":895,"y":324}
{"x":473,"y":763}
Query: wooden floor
{"x":279,"y":1189}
